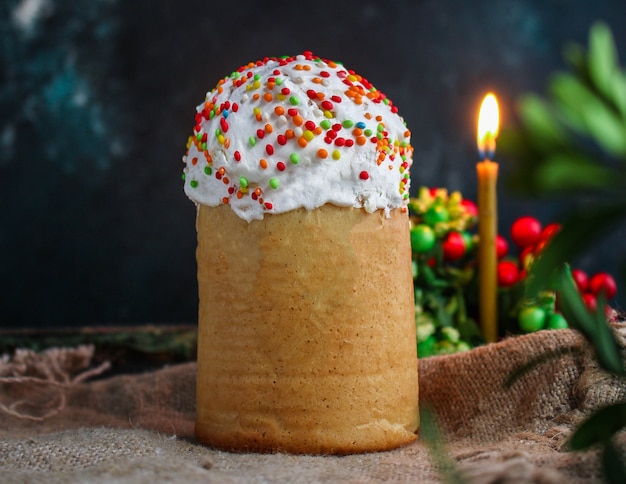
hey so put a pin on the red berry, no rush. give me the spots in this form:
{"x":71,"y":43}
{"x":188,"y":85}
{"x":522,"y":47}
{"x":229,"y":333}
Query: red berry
{"x":502,"y":246}
{"x":549,"y":231}
{"x":453,"y":246}
{"x":508,"y":273}
{"x":581,"y":279}
{"x":603,"y":283}
{"x":470,"y":207}
{"x":525,"y":231}
{"x":590,"y":301}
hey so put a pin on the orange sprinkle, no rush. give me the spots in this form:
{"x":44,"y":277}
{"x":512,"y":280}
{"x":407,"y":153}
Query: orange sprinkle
{"x":317,"y":80}
{"x":331,"y":64}
{"x":368,"y":116}
{"x":263,"y":163}
{"x":226,"y":143}
{"x":298,"y":67}
{"x":302,"y":142}
{"x":267,"y":96}
{"x":221,"y":170}
{"x":306,"y":67}
{"x":226,"y":180}
{"x":357,"y":131}
{"x":225,"y":200}
{"x":358,"y":100}
{"x":256,"y":96}
{"x":239,"y":194}
{"x":268,"y":128}
{"x":379,"y":118}
{"x":258,"y":191}
{"x":320,"y":95}
{"x":270,"y":85}
{"x":407,"y":133}
{"x":220,"y":90}
{"x":318,"y":130}
{"x":289,"y":134}
{"x":322,"y":153}
{"x":194,"y":161}
{"x":258,"y":117}
{"x":361,"y":140}
{"x":279,"y":110}
{"x":297,"y":120}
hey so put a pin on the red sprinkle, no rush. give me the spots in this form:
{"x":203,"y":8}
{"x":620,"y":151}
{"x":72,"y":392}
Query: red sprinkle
{"x":327,"y":105}
{"x":310,"y":125}
{"x":325,"y":74}
{"x":268,"y":205}
{"x":292,"y":112}
{"x":235,"y":107}
{"x":311,"y":93}
{"x":349,"y":143}
{"x":364,"y":175}
{"x":285,"y":91}
{"x":337,"y":99}
{"x":336,"y":127}
{"x":237,"y":156}
{"x":280,"y":166}
{"x":269,"y":149}
{"x":281,"y":139}
{"x":340,"y":141}
{"x":224,"y":125}
{"x":260,"y":133}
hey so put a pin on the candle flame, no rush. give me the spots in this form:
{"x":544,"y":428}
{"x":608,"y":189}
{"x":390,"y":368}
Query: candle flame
{"x":488,"y":124}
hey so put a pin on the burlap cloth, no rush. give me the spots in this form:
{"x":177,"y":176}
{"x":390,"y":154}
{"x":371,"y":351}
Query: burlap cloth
{"x":57,"y":427}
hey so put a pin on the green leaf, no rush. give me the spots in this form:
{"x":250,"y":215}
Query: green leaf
{"x":613,"y":464}
{"x":571,"y":171}
{"x":593,"y":325}
{"x":600,"y":427}
{"x":587,"y":114}
{"x":602,"y":57}
{"x":540,"y":121}
{"x":617,"y":93}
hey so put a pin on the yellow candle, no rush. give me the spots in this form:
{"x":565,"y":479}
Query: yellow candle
{"x":487,"y":171}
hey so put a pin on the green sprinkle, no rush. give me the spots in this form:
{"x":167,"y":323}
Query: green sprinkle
{"x":243,"y":182}
{"x":193,"y":183}
{"x":367,"y":132}
{"x":257,"y":77}
{"x":347,"y":123}
{"x":252,"y":140}
{"x":279,"y":81}
{"x":404,"y":144}
{"x":386,"y":101}
{"x":379,"y":135}
{"x":199,"y":136}
{"x":326,"y":124}
{"x":207,"y":170}
{"x":380,"y":128}
{"x":294,"y":158}
{"x":294,"y":100}
{"x":203,"y":146}
{"x":218,"y":131}
{"x":274,"y":183}
{"x":212,"y":113}
{"x":183,"y":176}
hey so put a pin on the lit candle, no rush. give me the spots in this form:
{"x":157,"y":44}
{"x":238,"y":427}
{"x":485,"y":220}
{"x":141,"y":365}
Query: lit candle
{"x":487,"y":171}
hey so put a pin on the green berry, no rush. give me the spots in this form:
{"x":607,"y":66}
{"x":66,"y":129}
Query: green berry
{"x":532,"y":319}
{"x":435,"y":214}
{"x":557,"y":321}
{"x":422,"y":238}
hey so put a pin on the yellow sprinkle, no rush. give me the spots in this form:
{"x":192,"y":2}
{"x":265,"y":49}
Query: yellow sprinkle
{"x":328,"y":114}
{"x":336,"y":155}
{"x":220,"y":139}
{"x":281,"y":97}
{"x":351,"y":78}
{"x":308,"y":135}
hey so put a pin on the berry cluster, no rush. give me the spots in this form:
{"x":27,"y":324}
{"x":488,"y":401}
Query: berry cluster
{"x":444,"y":246}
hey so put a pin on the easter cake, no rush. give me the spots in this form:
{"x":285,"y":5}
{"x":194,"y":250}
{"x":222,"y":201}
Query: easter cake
{"x":299,"y":169}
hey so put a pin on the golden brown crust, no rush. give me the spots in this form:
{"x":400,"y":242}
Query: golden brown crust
{"x":306,"y":331}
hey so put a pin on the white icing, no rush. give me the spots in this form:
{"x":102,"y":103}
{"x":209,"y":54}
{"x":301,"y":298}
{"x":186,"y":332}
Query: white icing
{"x":356,"y":179}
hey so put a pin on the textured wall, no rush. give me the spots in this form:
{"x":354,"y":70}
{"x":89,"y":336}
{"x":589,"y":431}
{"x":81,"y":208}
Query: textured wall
{"x":97,"y":99}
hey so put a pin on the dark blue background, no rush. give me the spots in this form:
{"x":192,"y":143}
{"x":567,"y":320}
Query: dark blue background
{"x":97,"y":99}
